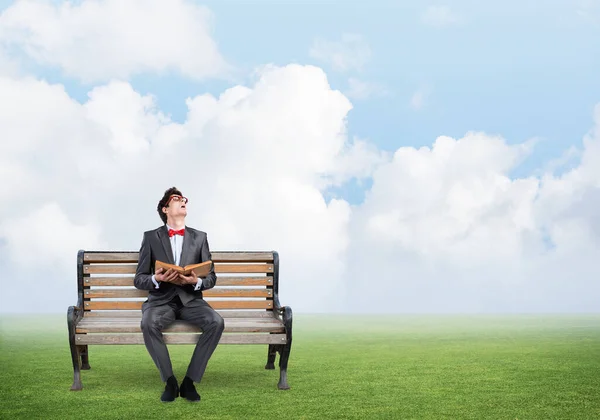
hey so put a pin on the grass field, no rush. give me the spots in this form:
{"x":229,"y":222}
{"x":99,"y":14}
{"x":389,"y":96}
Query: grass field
{"x":421,"y":367}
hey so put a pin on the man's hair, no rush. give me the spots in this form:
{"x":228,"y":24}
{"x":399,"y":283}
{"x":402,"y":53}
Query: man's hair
{"x":164,"y":200}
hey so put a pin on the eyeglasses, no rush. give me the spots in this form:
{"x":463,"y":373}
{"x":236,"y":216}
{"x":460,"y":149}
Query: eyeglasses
{"x":177,"y":198}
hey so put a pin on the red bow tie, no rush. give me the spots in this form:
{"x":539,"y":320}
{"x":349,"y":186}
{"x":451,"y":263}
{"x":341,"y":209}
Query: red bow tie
{"x":176,"y":232}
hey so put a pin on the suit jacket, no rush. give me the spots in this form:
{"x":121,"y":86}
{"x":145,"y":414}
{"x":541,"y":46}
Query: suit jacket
{"x":156,"y":246}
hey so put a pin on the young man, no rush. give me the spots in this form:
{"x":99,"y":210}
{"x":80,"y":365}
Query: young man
{"x":174,"y":296}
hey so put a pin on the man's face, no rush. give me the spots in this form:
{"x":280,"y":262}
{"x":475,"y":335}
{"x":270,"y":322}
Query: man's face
{"x":176,"y":206}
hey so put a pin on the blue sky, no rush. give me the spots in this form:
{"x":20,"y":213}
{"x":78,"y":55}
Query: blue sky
{"x":511,"y":68}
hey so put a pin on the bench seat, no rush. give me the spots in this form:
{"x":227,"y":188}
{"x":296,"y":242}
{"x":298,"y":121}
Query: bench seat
{"x":126,"y":330}
{"x":132,"y":325}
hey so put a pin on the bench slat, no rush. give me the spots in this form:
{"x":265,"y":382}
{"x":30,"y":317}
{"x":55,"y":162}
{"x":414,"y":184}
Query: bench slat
{"x":217,"y":256}
{"x":132,"y":325}
{"x":219,"y":268}
{"x":104,"y":322}
{"x":214,"y":292}
{"x":215,"y":304}
{"x":221,"y":281}
{"x":265,"y":314}
{"x":231,"y":338}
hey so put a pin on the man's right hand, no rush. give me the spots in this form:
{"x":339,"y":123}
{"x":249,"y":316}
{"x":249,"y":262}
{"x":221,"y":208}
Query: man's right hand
{"x":165,"y":276}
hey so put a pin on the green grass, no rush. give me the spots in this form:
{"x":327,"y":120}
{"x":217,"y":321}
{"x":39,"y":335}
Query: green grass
{"x":422,"y":367}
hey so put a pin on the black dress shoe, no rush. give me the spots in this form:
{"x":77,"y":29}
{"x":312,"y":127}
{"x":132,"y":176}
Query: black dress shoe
{"x":171,"y":390}
{"x":188,"y":390}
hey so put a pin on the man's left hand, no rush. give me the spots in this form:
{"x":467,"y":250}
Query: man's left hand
{"x":191,"y":279}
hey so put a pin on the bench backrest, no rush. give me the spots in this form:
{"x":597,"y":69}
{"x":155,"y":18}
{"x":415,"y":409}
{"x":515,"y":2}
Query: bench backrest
{"x":245,"y":281}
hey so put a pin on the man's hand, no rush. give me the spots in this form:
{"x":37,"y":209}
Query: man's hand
{"x":183,"y":280}
{"x":167,"y":277}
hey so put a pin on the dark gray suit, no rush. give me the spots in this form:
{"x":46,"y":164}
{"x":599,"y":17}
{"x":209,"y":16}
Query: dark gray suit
{"x":171,"y":301}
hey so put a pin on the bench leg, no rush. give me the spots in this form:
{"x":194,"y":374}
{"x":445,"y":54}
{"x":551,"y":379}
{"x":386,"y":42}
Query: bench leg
{"x":284,"y":351}
{"x":271,"y":357}
{"x":284,"y":355}
{"x":85,"y":364}
{"x":75,"y":351}
{"x":77,"y":386}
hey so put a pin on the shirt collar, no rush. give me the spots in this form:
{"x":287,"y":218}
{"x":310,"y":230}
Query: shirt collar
{"x":169,"y":227}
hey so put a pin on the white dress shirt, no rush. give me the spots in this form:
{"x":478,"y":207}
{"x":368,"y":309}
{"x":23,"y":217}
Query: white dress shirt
{"x":176,"y":246}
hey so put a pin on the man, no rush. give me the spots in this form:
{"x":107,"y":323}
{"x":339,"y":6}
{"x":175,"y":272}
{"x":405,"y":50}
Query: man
{"x":174,"y":296}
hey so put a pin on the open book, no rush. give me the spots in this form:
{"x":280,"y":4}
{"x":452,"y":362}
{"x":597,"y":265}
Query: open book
{"x":200,"y":270}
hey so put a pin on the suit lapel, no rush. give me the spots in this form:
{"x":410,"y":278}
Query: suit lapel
{"x":188,"y":240}
{"x":163,"y":235}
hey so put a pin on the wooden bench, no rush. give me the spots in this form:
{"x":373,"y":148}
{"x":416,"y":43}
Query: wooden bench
{"x":246,"y":294}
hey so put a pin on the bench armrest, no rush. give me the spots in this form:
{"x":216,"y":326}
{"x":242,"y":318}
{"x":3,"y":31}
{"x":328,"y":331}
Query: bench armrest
{"x":74,"y":315}
{"x":285,"y":312}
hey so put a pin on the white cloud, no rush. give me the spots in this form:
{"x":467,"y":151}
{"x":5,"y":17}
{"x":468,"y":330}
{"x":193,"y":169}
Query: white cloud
{"x":430,"y":200}
{"x":447,"y":229}
{"x":419,"y":98}
{"x":49,"y":235}
{"x":569,"y":157}
{"x":440,"y":16}
{"x":358,"y":89}
{"x":8,"y":65}
{"x":352,"y":52}
{"x":254,"y":163}
{"x":96,"y":41}
{"x":40,"y":246}
{"x":131,"y":121}
{"x":358,"y":159}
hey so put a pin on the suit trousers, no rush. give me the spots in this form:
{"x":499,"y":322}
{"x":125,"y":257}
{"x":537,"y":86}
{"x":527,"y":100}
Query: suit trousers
{"x":156,"y":318}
